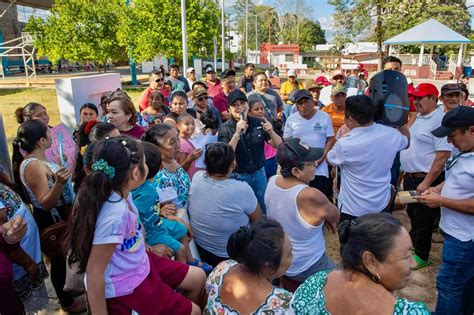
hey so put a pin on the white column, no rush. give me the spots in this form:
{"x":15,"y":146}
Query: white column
{"x":431,"y":51}
{"x":420,"y":60}
{"x":183,"y":31}
{"x":460,"y":56}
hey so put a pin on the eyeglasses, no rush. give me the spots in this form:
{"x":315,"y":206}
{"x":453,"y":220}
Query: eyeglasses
{"x":453,"y":160}
{"x":202,"y":98}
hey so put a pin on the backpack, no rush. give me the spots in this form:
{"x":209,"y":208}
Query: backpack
{"x":388,"y":90}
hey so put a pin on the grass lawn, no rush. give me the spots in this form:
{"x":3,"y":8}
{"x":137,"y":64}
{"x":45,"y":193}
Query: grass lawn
{"x":11,"y":99}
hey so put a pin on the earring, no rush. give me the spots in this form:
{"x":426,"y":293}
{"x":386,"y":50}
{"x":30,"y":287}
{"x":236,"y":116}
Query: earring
{"x":375,"y":278}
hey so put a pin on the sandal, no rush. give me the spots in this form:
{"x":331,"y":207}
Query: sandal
{"x":420,"y":263}
{"x":203,"y":265}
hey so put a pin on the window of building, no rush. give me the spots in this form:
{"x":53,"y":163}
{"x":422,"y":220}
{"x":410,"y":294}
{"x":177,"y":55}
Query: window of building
{"x":24,"y":13}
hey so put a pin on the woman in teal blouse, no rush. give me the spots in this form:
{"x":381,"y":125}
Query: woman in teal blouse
{"x":376,"y":252}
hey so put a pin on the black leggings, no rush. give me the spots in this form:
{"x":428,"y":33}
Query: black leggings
{"x":208,"y":257}
{"x":44,"y":219}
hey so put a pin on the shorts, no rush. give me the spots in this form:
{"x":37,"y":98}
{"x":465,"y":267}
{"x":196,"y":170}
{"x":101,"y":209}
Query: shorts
{"x":155,"y":295}
{"x":323,"y":263}
{"x":169,"y":234}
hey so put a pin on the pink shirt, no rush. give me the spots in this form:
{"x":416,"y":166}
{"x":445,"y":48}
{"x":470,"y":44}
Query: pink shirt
{"x":213,"y":88}
{"x":187,"y":147}
{"x":270,"y":151}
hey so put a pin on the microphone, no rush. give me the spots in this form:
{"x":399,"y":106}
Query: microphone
{"x":242,"y":117}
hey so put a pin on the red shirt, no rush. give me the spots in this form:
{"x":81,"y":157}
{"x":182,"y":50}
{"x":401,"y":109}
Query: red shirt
{"x":213,"y":88}
{"x":220,"y":102}
{"x":136,"y":132}
{"x":143,"y":99}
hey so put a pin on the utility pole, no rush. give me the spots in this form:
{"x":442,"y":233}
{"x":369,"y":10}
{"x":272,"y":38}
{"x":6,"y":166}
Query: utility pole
{"x":184,"y":37}
{"x":297,"y":22}
{"x":223,"y":36}
{"x":133,"y":69}
{"x":246,"y":30}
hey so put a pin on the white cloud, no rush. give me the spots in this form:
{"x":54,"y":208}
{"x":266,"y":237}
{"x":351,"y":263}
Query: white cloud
{"x":326,"y":22}
{"x":469,"y":2}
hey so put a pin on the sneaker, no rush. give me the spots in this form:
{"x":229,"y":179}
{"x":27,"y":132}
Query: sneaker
{"x":420,"y":263}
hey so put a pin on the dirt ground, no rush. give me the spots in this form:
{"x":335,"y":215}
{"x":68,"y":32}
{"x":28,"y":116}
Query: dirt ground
{"x":422,"y":286}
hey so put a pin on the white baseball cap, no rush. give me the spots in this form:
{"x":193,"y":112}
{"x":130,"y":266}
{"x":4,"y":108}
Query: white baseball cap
{"x":189,"y":70}
{"x":291,"y":73}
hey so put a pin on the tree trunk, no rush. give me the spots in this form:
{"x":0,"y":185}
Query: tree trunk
{"x":379,"y":35}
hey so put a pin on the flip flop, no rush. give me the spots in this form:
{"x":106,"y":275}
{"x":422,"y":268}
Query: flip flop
{"x":420,"y":263}
{"x":204,"y":266}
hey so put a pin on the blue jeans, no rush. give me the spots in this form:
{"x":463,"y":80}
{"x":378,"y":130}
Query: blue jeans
{"x":270,"y":167}
{"x":258,"y":182}
{"x":455,"y":279}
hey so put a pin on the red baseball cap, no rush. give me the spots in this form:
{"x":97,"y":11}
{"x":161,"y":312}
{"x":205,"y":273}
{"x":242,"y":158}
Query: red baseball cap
{"x":322,"y":80}
{"x":425,"y":89}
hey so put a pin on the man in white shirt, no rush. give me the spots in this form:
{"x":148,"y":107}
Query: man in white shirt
{"x":313,"y":127}
{"x":365,"y":157}
{"x":455,"y":196}
{"x":423,"y":164}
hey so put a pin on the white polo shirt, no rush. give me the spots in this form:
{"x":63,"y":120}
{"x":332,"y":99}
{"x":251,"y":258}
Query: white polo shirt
{"x":314,"y":132}
{"x":423,"y":145}
{"x":365,"y":157}
{"x":459,"y":184}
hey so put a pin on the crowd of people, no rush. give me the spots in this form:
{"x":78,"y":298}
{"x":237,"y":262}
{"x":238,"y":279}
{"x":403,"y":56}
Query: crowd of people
{"x":144,"y":220}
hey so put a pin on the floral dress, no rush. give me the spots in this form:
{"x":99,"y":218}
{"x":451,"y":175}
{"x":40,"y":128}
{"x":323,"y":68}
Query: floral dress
{"x":309,"y":299}
{"x":177,"y":180}
{"x":277,"y":302}
{"x":34,"y":296}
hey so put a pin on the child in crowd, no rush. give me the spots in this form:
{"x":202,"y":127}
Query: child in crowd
{"x":256,"y":110}
{"x":87,"y":133}
{"x":106,"y":239}
{"x":188,"y":154}
{"x":171,"y":231}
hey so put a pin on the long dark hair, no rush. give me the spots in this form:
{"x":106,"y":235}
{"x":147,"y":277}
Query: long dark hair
{"x":121,"y":154}
{"x":28,"y":135}
{"x":87,"y":133}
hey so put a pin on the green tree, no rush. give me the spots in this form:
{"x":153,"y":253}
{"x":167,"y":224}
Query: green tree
{"x":281,"y":28}
{"x":78,"y":30}
{"x":310,"y":33}
{"x":379,"y":20}
{"x":152,"y":27}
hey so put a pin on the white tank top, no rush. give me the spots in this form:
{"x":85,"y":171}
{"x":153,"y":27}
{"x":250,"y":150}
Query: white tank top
{"x":307,"y":240}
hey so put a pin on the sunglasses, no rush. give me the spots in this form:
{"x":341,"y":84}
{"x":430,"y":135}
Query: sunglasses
{"x":159,"y":80}
{"x":202,"y":98}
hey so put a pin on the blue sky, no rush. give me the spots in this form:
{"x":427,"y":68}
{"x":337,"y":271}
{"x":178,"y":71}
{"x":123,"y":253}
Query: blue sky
{"x":322,"y":12}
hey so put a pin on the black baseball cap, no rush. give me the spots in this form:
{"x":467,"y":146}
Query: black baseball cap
{"x":451,"y":88}
{"x":292,"y":152}
{"x":209,"y":68}
{"x":227,"y":73}
{"x":461,"y":116}
{"x":236,"y":95}
{"x":295,"y":97}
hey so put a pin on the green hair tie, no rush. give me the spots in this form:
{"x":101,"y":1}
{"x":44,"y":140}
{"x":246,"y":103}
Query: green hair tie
{"x":104,"y":167}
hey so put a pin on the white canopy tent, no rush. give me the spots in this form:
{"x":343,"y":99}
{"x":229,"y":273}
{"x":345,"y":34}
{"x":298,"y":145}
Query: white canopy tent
{"x":431,"y":33}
